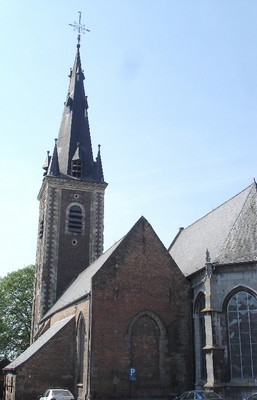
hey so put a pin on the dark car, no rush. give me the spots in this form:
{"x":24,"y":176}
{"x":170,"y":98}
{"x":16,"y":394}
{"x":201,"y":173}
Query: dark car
{"x":200,"y":395}
{"x":253,"y":396}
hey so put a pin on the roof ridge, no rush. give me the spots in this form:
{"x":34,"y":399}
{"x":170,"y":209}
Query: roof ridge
{"x":55,"y":328}
{"x":64,"y":300}
{"x":221,"y":205}
{"x":212,"y":230}
{"x":67,"y":297}
{"x":225,"y":243}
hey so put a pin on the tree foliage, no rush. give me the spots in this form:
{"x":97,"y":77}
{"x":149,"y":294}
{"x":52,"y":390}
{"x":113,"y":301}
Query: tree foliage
{"x":16,"y":295}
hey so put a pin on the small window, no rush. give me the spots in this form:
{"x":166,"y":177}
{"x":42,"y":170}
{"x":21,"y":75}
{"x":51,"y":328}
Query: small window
{"x":75,"y":219}
{"x":76,"y":168}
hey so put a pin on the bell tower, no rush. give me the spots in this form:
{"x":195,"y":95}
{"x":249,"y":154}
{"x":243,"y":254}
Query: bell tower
{"x":71,"y":201}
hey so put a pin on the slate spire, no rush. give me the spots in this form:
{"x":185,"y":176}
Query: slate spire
{"x":74,"y":149}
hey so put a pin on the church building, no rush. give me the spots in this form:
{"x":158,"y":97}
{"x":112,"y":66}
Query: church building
{"x":139,"y":320}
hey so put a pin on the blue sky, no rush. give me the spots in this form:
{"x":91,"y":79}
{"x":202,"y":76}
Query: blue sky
{"x":172,"y":92}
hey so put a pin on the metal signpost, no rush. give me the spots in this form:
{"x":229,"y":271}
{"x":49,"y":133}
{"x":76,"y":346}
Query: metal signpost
{"x":132,"y":378}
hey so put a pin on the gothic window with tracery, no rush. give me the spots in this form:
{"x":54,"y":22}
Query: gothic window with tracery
{"x":242,"y":335}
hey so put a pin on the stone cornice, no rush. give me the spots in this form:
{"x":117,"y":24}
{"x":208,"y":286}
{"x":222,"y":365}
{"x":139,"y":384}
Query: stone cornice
{"x":71,"y":184}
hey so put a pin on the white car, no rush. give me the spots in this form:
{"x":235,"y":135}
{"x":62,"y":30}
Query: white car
{"x":57,"y":394}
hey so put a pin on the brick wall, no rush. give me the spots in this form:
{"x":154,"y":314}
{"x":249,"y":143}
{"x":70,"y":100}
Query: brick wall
{"x":52,"y":366}
{"x":62,"y":255}
{"x":141,"y":316}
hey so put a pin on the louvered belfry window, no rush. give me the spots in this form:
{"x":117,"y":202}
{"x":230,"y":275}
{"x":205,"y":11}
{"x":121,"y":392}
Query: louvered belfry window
{"x":75,"y":219}
{"x":77,"y":168}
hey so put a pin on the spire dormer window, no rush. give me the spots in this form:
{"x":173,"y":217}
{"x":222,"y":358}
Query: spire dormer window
{"x":76,"y":163}
{"x":76,"y":167}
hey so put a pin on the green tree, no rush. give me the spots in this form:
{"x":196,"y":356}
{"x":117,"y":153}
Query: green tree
{"x":16,"y":295}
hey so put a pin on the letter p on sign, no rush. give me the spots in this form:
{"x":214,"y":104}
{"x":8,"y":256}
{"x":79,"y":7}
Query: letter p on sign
{"x":132,"y":374}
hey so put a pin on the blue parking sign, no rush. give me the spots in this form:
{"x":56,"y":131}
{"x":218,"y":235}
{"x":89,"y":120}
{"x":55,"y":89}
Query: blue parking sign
{"x":132,"y":374}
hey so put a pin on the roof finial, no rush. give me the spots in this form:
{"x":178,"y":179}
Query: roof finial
{"x":77,"y":26}
{"x":208,"y":257}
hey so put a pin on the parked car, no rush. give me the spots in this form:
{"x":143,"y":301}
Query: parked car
{"x":253,"y":396}
{"x":200,"y":395}
{"x":57,"y":394}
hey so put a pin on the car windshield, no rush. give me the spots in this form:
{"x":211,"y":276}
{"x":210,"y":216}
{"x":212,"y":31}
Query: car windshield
{"x":61,"y":393}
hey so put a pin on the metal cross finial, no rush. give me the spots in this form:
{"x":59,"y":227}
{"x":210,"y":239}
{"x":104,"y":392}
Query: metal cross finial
{"x":77,"y":26}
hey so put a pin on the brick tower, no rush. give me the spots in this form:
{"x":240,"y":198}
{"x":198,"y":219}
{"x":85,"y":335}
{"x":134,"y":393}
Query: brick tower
{"x":71,"y":209}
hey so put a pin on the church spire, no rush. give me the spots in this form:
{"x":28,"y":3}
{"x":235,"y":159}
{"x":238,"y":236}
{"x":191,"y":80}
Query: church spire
{"x":74,"y":127}
{"x":71,"y":210}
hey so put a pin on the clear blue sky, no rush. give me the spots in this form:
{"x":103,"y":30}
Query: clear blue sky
{"x":172,"y":92}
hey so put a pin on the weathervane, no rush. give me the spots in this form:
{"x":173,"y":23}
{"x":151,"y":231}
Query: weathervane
{"x":79,"y":27}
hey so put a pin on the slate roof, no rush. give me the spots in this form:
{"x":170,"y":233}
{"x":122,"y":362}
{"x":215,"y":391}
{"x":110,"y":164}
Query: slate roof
{"x":74,"y":134}
{"x":229,"y":232}
{"x":40,"y":342}
{"x":82,"y":284}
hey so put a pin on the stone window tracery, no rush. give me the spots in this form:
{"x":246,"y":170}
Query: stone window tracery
{"x":242,"y":335}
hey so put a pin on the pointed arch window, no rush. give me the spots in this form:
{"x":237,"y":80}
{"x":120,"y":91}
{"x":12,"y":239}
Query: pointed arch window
{"x":145,"y":349}
{"x":242,"y":335}
{"x":147,"y":340}
{"x":75,"y":219}
{"x":200,"y":339}
{"x":81,"y":348}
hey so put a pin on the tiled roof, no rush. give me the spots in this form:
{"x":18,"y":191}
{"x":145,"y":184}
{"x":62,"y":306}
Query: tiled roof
{"x":40,"y":342}
{"x":229,"y":232}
